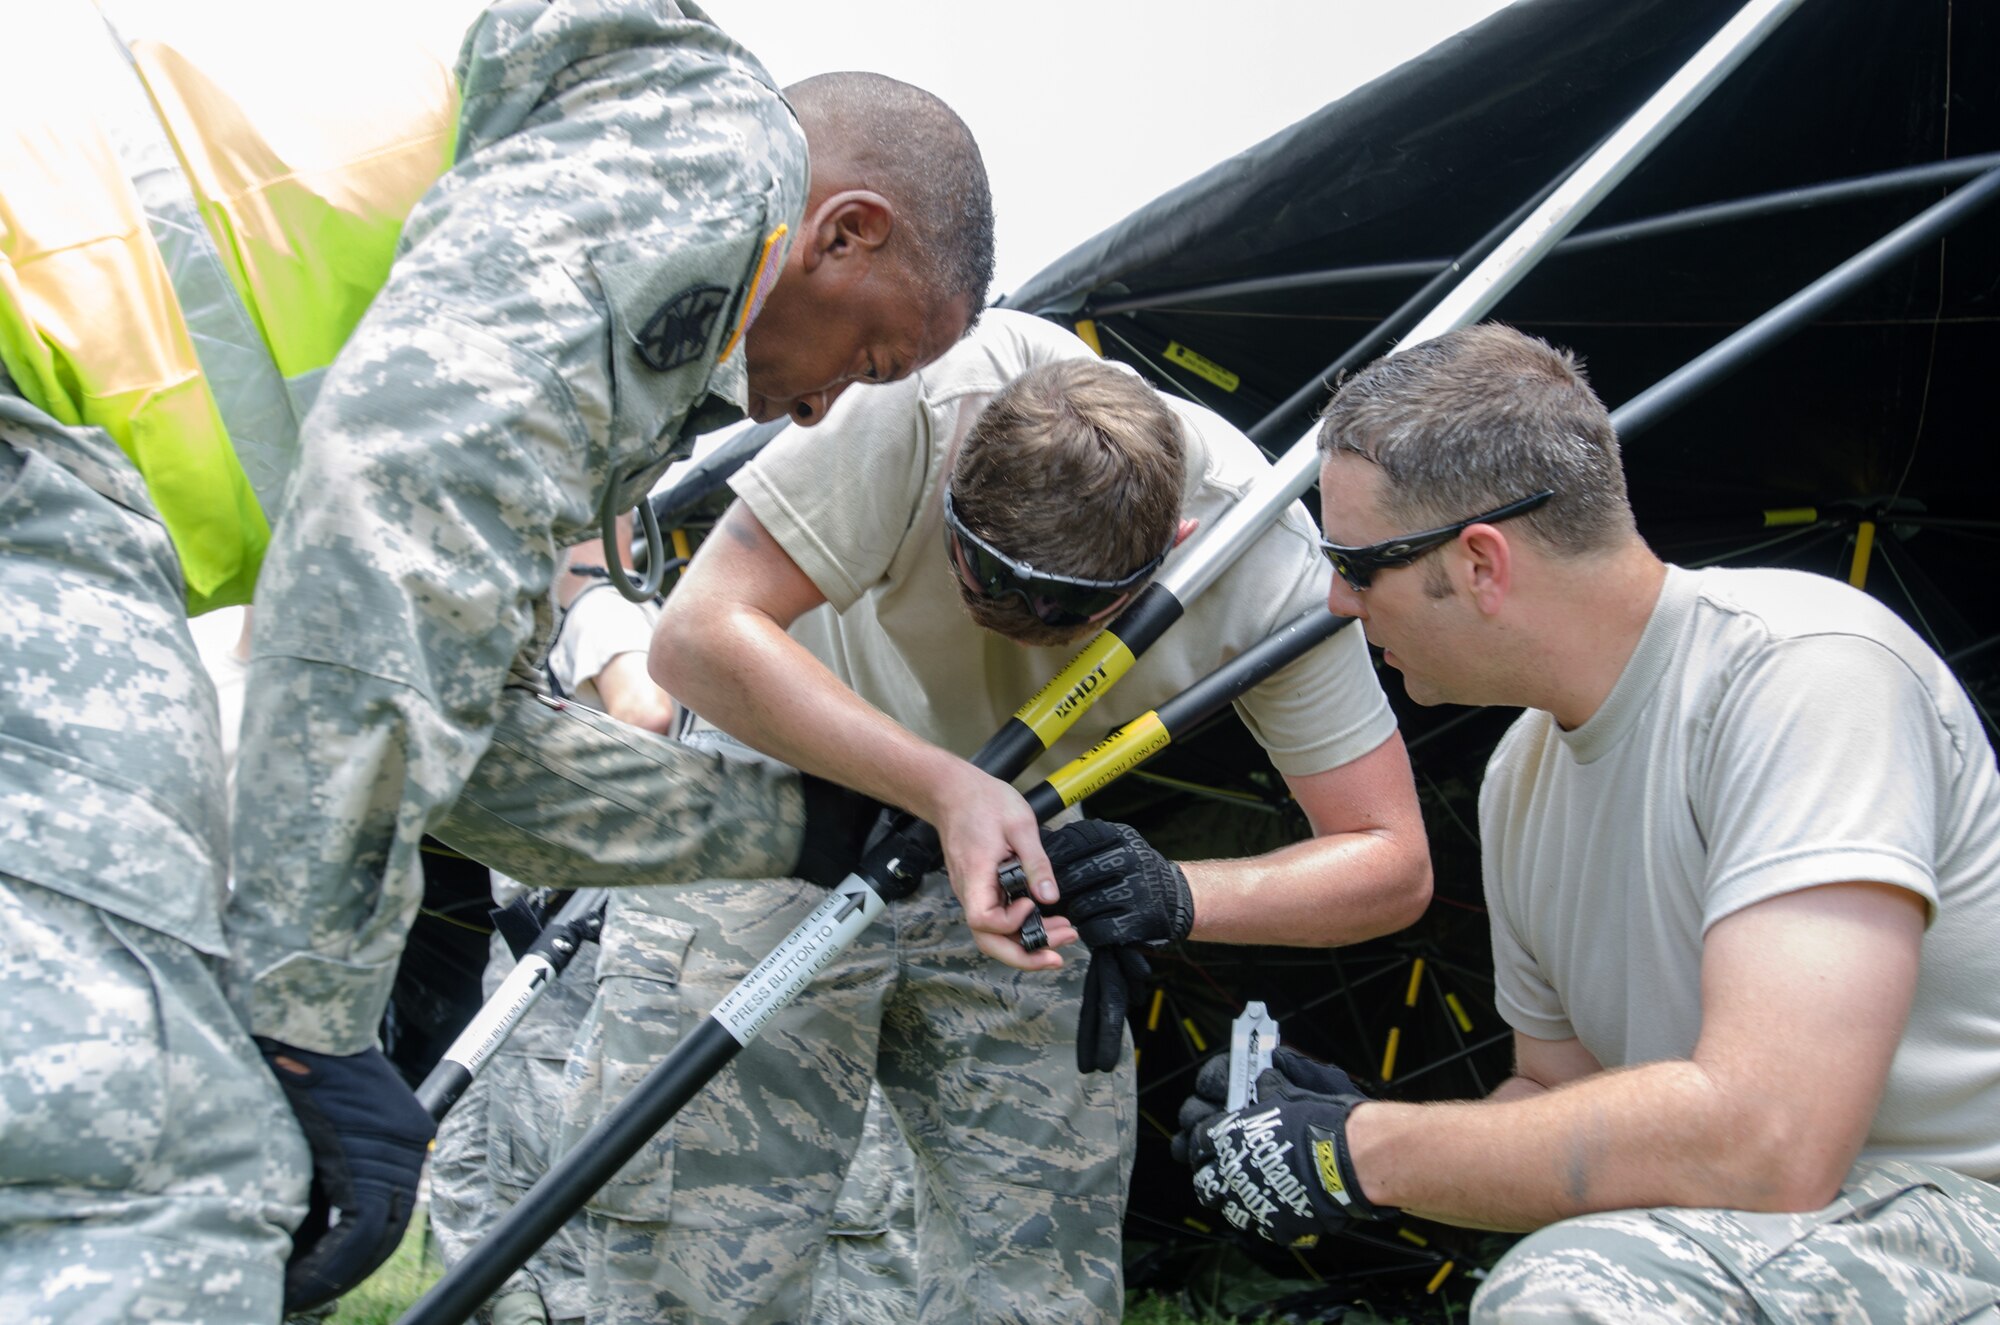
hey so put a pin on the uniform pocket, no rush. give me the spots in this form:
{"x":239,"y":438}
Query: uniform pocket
{"x":83,"y":1074}
{"x":638,"y":1017}
{"x":522,"y":1114}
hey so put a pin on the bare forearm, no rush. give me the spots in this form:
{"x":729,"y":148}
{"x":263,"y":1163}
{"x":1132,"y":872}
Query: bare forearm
{"x":1662,"y":1134}
{"x":1341,"y":888}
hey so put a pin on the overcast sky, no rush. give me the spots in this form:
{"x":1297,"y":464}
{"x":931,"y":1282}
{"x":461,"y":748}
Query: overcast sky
{"x":1087,"y":109}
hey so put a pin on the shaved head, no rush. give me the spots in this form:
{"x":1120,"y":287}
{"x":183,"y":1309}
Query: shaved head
{"x":869,"y":131}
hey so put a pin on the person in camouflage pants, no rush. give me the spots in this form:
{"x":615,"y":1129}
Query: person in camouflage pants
{"x":151,"y":1167}
{"x":496,"y":1140}
{"x":836,"y":551}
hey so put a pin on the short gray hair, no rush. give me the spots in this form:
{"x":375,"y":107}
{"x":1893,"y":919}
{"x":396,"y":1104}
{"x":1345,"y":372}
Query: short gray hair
{"x":1477,"y":418}
{"x":917,"y":153}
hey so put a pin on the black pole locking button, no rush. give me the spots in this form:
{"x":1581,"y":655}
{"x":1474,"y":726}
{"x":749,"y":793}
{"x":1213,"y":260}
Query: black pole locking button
{"x":1014,"y":886}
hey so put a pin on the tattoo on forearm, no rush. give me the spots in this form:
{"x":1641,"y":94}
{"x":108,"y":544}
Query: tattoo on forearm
{"x":1588,"y":1140}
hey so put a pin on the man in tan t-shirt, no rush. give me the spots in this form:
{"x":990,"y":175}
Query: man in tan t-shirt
{"x":1742,"y":859}
{"x":842,"y":620}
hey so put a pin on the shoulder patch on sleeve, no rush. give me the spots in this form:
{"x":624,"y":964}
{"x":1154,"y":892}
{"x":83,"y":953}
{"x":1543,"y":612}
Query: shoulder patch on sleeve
{"x":678,"y":331}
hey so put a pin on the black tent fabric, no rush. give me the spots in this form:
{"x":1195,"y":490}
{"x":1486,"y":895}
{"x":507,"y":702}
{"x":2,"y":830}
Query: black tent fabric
{"x":1853,"y":448}
{"x":1242,"y":285}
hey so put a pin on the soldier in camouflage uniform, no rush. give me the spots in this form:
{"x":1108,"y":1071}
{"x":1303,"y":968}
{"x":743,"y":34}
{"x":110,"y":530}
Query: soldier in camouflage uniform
{"x":1742,"y":856}
{"x":631,"y":163}
{"x":573,"y":299}
{"x":151,"y":1169}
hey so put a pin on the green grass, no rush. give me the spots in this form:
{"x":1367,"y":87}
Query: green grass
{"x":387,"y":1293}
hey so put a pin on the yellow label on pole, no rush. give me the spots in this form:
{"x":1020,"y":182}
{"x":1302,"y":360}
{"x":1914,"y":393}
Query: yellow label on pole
{"x":1062,"y":701}
{"x":1111,"y":758}
{"x":1206,"y":369}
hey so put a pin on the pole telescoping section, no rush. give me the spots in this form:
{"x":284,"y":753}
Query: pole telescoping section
{"x":898,"y":863}
{"x":544,"y":960}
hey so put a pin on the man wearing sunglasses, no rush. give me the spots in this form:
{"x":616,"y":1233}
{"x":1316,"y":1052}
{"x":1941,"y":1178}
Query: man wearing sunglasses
{"x":1742,"y":857}
{"x":888,"y":590}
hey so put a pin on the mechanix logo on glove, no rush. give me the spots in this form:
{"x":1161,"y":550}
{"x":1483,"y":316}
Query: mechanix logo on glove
{"x":1280,"y":1169}
{"x":1252,"y":1181}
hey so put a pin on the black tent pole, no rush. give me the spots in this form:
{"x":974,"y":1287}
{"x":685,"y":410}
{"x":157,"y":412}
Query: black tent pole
{"x":1669,"y":393}
{"x":1902,"y":180}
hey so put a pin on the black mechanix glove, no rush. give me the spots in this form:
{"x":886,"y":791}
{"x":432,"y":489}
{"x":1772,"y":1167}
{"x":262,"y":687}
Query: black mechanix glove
{"x":840,"y":824}
{"x":368,"y":1136}
{"x":1121,"y":895}
{"x":1280,"y":1167}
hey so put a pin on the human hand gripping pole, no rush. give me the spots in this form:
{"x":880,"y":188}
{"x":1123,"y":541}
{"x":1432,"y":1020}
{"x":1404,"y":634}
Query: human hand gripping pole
{"x":1279,"y":1167}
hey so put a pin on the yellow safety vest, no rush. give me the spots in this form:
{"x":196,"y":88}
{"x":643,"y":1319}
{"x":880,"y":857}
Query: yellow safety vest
{"x":191,"y":227}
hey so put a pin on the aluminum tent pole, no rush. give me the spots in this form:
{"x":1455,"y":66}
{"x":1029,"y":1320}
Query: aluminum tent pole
{"x":1292,"y":473}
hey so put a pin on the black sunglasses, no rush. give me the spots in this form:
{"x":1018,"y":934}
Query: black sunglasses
{"x":1357,"y":565}
{"x":1056,"y":600}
